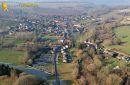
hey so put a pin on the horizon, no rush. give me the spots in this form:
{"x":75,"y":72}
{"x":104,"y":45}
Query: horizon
{"x":97,"y":2}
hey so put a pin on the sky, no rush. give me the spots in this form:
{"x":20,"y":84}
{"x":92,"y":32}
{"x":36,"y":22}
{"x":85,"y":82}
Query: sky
{"x":41,"y":0}
{"x":106,"y":2}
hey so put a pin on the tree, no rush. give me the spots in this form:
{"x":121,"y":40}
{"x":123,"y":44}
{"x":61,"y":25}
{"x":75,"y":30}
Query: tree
{"x":91,"y":67}
{"x":102,"y":74}
{"x":29,"y":80}
{"x":128,"y":81}
{"x":13,"y":74}
{"x":116,"y":41}
{"x":30,"y":62}
{"x":91,"y":52}
{"x":26,"y":57}
{"x":113,"y":79}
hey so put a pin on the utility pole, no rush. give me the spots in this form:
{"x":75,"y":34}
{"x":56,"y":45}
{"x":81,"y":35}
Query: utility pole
{"x":57,"y":82}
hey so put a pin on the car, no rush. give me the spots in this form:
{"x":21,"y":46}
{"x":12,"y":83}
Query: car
{"x":127,"y":59}
{"x":114,"y":54}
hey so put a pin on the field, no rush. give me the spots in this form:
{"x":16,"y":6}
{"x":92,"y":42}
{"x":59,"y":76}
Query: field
{"x":58,"y":5}
{"x":123,"y":33}
{"x":11,"y":56}
{"x":55,"y":9}
{"x":9,"y":39}
{"x":65,"y":73}
{"x":5,"y":23}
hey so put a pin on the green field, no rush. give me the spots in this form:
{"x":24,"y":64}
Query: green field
{"x":11,"y":56}
{"x":5,"y":23}
{"x":123,"y":33}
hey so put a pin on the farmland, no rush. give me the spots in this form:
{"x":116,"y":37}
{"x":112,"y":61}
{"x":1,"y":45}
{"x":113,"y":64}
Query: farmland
{"x":11,"y":56}
{"x":5,"y":23}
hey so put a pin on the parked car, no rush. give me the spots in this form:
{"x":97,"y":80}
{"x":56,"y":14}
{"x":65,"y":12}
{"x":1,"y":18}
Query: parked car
{"x":127,"y":59}
{"x":114,"y":54}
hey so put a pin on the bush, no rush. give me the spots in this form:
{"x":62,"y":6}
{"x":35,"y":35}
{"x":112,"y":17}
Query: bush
{"x":78,"y":53}
{"x":107,"y":42}
{"x":97,"y":62}
{"x":116,"y":41}
{"x":29,"y":80}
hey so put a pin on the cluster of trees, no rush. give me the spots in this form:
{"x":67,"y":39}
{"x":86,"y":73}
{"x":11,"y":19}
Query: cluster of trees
{"x":24,"y":36}
{"x":91,"y":69}
{"x":19,"y":78}
{"x":106,"y":33}
{"x":6,"y":70}
{"x":104,"y":27}
{"x":30,"y":80}
{"x":34,"y":51}
{"x":102,"y":32}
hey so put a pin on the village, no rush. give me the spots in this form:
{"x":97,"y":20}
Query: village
{"x":86,"y":48}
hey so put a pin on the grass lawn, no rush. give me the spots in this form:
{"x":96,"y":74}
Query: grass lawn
{"x":65,"y":69}
{"x":11,"y":56}
{"x":113,"y":62}
{"x":120,"y":32}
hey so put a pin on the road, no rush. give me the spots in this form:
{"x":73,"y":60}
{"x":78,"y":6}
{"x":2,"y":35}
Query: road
{"x":109,"y":51}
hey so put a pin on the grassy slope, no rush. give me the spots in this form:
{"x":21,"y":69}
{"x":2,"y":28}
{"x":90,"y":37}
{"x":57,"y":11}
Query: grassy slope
{"x":123,"y":31}
{"x":11,"y":56}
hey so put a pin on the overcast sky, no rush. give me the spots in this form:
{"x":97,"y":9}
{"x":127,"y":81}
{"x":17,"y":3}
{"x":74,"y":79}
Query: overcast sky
{"x":108,"y":2}
{"x":37,"y":0}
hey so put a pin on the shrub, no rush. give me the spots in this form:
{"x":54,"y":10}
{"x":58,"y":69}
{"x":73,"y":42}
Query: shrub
{"x":78,"y":53}
{"x":29,"y":80}
{"x":97,"y":62}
